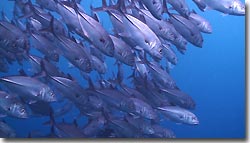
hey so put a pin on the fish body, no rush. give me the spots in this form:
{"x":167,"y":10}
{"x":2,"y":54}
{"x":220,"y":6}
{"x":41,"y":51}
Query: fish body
{"x":231,"y":7}
{"x":179,"y":115}
{"x":29,"y":88}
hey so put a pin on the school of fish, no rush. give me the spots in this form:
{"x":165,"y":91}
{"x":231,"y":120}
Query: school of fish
{"x":145,"y":34}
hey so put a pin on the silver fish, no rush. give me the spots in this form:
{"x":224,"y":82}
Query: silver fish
{"x":12,"y":106}
{"x":231,"y":7}
{"x":179,"y":115}
{"x":155,"y":7}
{"x":29,"y":88}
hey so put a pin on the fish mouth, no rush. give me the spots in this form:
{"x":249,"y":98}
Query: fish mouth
{"x":196,"y":122}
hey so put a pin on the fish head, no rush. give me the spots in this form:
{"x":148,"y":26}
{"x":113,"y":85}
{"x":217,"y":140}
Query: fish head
{"x":158,"y":8}
{"x":167,"y":33}
{"x":17,"y":110}
{"x":192,"y":119}
{"x":206,"y":26}
{"x":237,"y":8}
{"x":84,"y":63}
{"x":156,"y":50}
{"x":108,"y":45}
{"x":182,"y":43}
{"x":58,"y":27}
{"x":184,"y":10}
{"x":54,"y":57}
{"x":46,"y":94}
{"x":129,"y":57}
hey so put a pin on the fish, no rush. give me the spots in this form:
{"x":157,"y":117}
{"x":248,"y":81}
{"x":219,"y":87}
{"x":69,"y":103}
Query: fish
{"x":29,"y":88}
{"x":94,"y":126}
{"x":75,"y":53}
{"x":98,"y":65}
{"x":230,"y":7}
{"x":122,"y":128}
{"x":40,"y":65}
{"x":143,"y":36}
{"x":12,"y":106}
{"x":187,"y":29}
{"x":179,"y":98}
{"x":123,"y":52}
{"x":45,"y":46}
{"x":87,"y":27}
{"x":169,"y":54}
{"x":179,"y":115}
{"x":143,"y":109}
{"x":63,"y":129}
{"x":203,"y":25}
{"x":69,"y":88}
{"x":12,"y":38}
{"x":116,"y":99}
{"x":161,"y":132}
{"x":180,"y":6}
{"x":161,"y":28}
{"x":161,"y":77}
{"x":155,"y":7}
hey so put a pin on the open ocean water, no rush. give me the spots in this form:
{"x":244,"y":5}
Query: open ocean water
{"x":213,"y":75}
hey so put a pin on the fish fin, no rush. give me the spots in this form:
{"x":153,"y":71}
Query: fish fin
{"x":132,"y":75}
{"x":207,"y":8}
{"x":201,"y":5}
{"x":142,"y":19}
{"x":70,"y":65}
{"x":165,"y":8}
{"x":90,"y":82}
{"x":224,"y":14}
{"x":9,"y":81}
{"x":32,"y":101}
{"x":124,"y":34}
{"x":4,"y":17}
{"x":51,"y":120}
{"x":25,"y":16}
{"x":42,"y":73}
{"x":94,"y":15}
{"x":138,"y":48}
{"x":194,"y":11}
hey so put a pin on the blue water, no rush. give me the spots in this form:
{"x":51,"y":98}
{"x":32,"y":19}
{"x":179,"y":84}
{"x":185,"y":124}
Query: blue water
{"x":213,"y":75}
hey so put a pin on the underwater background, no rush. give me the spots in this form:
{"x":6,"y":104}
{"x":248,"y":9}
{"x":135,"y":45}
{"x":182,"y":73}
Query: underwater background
{"x":213,"y":75}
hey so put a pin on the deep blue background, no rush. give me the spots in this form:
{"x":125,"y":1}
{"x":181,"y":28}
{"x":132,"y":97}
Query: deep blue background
{"x":214,"y":76}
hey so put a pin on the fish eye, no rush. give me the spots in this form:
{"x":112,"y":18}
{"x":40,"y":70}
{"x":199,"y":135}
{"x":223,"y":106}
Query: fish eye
{"x":147,"y":42}
{"x":22,"y":110}
{"x":154,"y":2}
{"x":102,"y":40}
{"x":9,"y":108}
{"x":52,"y":94}
{"x":160,"y":50}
